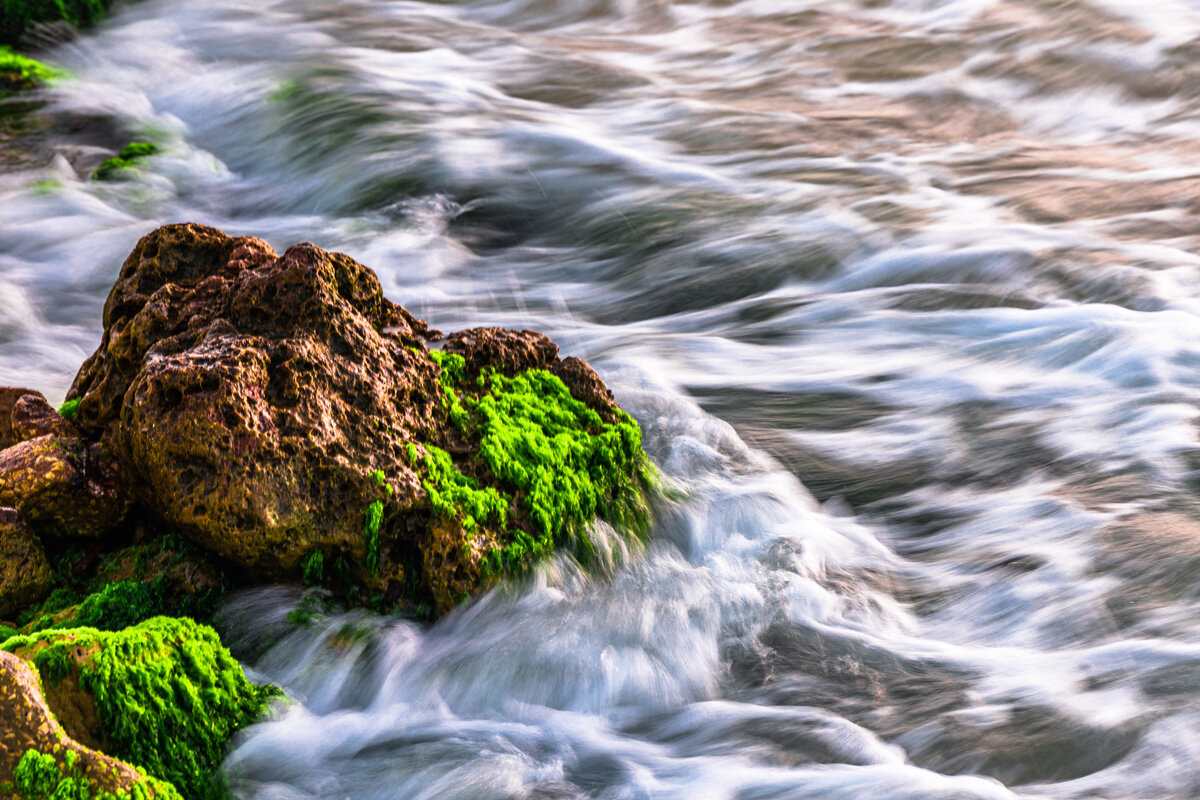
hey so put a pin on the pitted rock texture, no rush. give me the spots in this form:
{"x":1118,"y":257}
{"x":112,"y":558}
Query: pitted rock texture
{"x":263,"y":405}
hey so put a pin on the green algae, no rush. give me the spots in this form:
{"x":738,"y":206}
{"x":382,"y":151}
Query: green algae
{"x":69,"y":409}
{"x":168,"y":695}
{"x":115,"y":605}
{"x":119,"y":605}
{"x":313,"y":568}
{"x":123,"y":587}
{"x":455,"y":495}
{"x":18,"y":72}
{"x":374,"y":519}
{"x":547,"y":465}
{"x":127,"y":159}
{"x":42,"y":776}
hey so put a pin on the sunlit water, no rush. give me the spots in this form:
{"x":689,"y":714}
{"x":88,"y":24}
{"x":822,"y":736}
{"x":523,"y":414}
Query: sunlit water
{"x":904,"y":295}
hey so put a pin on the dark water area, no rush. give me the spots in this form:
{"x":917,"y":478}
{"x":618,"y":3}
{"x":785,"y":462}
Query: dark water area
{"x":904,"y":294}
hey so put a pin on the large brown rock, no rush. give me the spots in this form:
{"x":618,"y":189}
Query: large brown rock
{"x":263,"y":406}
{"x":25,"y":575}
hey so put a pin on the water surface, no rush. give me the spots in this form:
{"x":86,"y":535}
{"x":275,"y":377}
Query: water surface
{"x":903,"y":293}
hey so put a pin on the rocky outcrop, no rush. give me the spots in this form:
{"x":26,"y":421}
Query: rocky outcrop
{"x":282,"y":415}
{"x":281,"y":412}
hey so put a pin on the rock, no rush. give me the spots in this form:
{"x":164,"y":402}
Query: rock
{"x":9,"y":395}
{"x":32,"y":416}
{"x":513,"y":351}
{"x":30,"y":727}
{"x":282,"y":413}
{"x":25,"y":574}
{"x":164,"y":694}
{"x":63,"y":485}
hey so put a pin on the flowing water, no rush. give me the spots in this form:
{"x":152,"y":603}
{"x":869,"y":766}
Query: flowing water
{"x":904,"y":294}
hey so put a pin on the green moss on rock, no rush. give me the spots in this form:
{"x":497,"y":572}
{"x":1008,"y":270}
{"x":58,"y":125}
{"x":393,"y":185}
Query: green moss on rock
{"x":69,"y":409}
{"x":18,"y":72}
{"x":547,"y":464}
{"x":128,"y":158}
{"x":45,"y":776}
{"x":167,"y":694}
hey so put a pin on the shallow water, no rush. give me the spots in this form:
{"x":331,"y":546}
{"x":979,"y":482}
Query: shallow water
{"x":904,"y":294}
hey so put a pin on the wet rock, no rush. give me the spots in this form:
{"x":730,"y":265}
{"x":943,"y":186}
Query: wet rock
{"x":25,"y":574}
{"x":9,"y":395}
{"x":29,"y":725}
{"x":513,"y":351}
{"x":32,"y":416}
{"x":164,"y":694}
{"x":281,"y":412}
{"x":63,"y":485}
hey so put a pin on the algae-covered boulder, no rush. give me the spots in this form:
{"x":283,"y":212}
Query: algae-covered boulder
{"x":165,"y":695}
{"x":40,"y":761}
{"x":282,"y":413}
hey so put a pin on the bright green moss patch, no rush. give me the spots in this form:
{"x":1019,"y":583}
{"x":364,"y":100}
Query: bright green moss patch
{"x":458,"y":496}
{"x":53,"y":664}
{"x":374,"y":519}
{"x":18,"y":72}
{"x":43,"y":776}
{"x":373,"y":522}
{"x":127,"y":159}
{"x":69,"y":409}
{"x":168,"y":695}
{"x":548,"y":465}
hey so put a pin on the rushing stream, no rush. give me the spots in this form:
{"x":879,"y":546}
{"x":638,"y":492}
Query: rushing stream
{"x":904,"y":294}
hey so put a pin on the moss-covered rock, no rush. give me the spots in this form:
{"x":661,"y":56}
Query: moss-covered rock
{"x":18,"y":72}
{"x":281,"y":412}
{"x":124,"y":162}
{"x":164,"y":694}
{"x":40,"y":761}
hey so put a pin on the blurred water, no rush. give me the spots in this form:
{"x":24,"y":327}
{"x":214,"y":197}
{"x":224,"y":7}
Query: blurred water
{"x":903,"y":292}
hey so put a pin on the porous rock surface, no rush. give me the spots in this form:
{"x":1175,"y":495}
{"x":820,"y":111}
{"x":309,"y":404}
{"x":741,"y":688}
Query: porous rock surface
{"x":260,"y":404}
